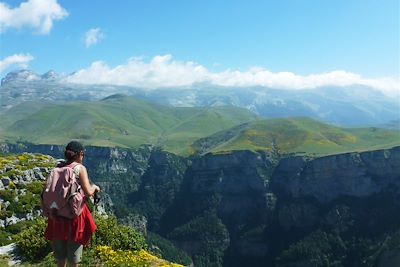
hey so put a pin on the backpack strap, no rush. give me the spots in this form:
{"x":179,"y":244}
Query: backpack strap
{"x":73,"y":165}
{"x":76,"y":167}
{"x":77,"y":170}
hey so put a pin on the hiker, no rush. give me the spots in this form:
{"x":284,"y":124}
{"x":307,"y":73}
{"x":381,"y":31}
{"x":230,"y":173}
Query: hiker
{"x":69,"y":235}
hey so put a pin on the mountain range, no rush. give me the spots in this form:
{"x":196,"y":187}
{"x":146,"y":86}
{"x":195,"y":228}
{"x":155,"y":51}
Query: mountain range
{"x":355,"y":106}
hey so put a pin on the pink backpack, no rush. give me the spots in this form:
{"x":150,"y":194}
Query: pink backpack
{"x":63,"y":196}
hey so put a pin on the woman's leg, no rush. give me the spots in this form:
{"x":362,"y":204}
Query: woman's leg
{"x":74,"y":254}
{"x":60,"y":252}
{"x":61,"y":263}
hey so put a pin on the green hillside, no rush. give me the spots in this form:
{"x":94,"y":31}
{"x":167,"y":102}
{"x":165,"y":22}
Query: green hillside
{"x":118,"y":121}
{"x":297,"y":135}
{"x":124,"y":121}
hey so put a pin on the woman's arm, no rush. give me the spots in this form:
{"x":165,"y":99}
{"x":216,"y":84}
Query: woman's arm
{"x":88,"y":188}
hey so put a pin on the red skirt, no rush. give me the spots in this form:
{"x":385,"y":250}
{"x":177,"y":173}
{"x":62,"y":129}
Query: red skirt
{"x":78,"y":230}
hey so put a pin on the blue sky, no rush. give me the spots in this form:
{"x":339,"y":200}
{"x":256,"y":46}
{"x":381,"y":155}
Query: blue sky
{"x":303,"y":37}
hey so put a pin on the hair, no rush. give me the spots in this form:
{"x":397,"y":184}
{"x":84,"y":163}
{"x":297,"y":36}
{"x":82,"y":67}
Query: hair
{"x":70,"y":155}
{"x":72,"y":150}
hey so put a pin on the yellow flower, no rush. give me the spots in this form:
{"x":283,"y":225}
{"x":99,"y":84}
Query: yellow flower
{"x":140,"y":258}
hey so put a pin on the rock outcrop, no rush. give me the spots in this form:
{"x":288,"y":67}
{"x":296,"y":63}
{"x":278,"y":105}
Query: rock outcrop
{"x":330,"y":177}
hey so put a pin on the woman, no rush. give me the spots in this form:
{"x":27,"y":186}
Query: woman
{"x":68,"y":236}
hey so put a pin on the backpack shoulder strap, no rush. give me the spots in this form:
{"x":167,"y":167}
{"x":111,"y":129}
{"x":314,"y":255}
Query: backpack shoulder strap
{"x":73,"y":165}
{"x":76,"y":167}
{"x":77,"y":170}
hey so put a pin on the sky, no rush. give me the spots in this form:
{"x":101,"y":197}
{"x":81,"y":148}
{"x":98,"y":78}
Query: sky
{"x":286,"y":43}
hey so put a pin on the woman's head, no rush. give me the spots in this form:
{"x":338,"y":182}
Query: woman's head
{"x":73,"y":151}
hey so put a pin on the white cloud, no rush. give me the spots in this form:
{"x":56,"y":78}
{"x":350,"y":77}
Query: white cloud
{"x":163,"y":71}
{"x":93,"y":36}
{"x":21,"y":60}
{"x":36,"y":14}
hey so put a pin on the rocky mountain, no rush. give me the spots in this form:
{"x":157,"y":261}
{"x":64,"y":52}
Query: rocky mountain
{"x":26,"y":76}
{"x":20,"y":76}
{"x":25,"y":86}
{"x":51,"y":75}
{"x":345,"y":106}
{"x":256,"y":208}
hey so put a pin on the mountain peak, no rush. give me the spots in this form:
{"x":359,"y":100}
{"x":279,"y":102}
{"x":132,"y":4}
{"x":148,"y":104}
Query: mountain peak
{"x":50,"y":75}
{"x":20,"y":75}
{"x":27,"y":76}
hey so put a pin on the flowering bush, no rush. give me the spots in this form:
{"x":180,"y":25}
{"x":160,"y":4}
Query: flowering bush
{"x":139,"y":258}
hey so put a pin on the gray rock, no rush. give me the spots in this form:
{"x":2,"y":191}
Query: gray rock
{"x":327,"y":178}
{"x":29,"y":216}
{"x":10,"y":250}
{"x":136,"y":221}
{"x":6,"y":181}
{"x":38,"y":174}
{"x":12,"y":220}
{"x":28,"y":175}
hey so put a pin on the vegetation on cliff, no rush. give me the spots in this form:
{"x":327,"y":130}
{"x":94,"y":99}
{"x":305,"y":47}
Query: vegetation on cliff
{"x":21,"y":183}
{"x":112,"y":245}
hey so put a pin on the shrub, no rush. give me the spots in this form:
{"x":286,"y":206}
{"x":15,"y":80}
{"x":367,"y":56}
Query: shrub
{"x":35,"y":187}
{"x":117,"y":236}
{"x":17,"y":207}
{"x":11,"y":185}
{"x":4,"y":238}
{"x":139,"y":258}
{"x":7,"y":195}
{"x":166,"y":249}
{"x":211,"y":235}
{"x":19,"y":226}
{"x":5,"y":214}
{"x":317,"y":249}
{"x":33,"y":247}
{"x":31,"y":243}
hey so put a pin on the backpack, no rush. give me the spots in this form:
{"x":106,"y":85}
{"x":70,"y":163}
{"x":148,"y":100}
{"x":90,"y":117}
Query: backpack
{"x":62,"y":196}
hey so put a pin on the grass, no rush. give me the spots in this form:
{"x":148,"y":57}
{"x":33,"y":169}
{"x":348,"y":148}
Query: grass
{"x":119,"y":121}
{"x":299,"y":136}
{"x":127,"y":122}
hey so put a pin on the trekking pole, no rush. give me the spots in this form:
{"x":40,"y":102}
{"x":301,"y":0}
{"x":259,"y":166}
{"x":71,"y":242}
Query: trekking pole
{"x":96,"y":200}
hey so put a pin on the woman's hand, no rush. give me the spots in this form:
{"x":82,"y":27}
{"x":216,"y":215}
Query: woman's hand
{"x":96,"y":188}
